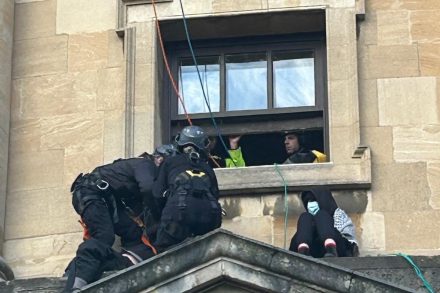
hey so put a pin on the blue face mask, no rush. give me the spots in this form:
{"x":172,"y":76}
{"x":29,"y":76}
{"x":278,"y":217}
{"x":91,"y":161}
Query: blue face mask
{"x":312,"y":207}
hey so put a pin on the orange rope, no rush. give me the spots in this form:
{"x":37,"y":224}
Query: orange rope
{"x":173,"y":82}
{"x":147,"y":242}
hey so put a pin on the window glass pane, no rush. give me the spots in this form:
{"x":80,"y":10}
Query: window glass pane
{"x":246,"y":81}
{"x":190,"y":88}
{"x":293,"y":79}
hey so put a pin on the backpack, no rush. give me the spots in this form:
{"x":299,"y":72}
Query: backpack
{"x":194,"y":183}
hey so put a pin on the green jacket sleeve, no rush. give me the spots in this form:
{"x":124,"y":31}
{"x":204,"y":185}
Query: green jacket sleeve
{"x":237,"y":156}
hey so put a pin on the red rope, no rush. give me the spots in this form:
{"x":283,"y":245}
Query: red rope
{"x":173,"y":82}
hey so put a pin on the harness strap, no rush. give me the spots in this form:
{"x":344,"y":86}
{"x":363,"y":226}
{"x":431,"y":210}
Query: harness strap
{"x":182,"y":199}
{"x":213,"y":201}
{"x":145,"y":240}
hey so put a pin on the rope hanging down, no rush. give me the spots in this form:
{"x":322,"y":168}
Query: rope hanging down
{"x":173,"y":82}
{"x":165,"y":59}
{"x":418,"y":271}
{"x":201,"y":82}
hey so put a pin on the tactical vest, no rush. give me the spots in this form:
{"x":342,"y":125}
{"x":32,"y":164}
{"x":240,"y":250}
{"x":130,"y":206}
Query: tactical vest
{"x":195,"y":183}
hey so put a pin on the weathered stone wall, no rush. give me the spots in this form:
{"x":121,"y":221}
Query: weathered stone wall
{"x":399,"y":72}
{"x":6,"y":33}
{"x":68,"y":115}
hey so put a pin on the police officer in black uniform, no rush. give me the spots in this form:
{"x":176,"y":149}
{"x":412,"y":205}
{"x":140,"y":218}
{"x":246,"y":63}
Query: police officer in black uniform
{"x":160,"y":153}
{"x":107,"y":199}
{"x":187,"y":188}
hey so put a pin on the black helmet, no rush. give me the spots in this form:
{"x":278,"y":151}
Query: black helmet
{"x":165,"y":150}
{"x":193,"y":136}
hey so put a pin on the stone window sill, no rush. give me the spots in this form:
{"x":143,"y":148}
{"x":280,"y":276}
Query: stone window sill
{"x":354,"y":174}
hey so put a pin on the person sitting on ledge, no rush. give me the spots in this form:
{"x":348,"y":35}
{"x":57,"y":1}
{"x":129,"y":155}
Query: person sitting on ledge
{"x":324,"y":230}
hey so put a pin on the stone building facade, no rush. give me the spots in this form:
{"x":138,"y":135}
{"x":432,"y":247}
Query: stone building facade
{"x":82,"y":83}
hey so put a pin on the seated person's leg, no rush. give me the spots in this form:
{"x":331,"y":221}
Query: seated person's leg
{"x":332,"y":240}
{"x":302,"y":240}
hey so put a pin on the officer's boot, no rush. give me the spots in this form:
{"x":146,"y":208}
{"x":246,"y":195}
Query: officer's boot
{"x":73,"y":284}
{"x":78,"y":284}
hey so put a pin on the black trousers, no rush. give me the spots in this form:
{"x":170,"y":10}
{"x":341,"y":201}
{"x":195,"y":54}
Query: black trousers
{"x":95,"y":255}
{"x":199,"y":217}
{"x":314,"y":230}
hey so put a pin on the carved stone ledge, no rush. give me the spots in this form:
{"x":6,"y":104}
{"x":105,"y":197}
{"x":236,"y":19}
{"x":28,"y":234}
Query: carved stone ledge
{"x":265,"y":179}
{"x":122,"y":11}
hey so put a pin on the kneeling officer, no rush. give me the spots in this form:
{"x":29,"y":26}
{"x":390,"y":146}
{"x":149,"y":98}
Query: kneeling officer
{"x":104,"y":199}
{"x":187,"y":188}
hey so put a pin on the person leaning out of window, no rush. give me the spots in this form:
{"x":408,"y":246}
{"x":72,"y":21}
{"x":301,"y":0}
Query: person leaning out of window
{"x":297,"y":153}
{"x":234,"y":158}
{"x":235,"y":155}
{"x":293,"y":143}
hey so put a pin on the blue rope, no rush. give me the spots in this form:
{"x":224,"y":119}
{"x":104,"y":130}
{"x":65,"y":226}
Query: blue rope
{"x":286,"y":206}
{"x":188,"y":38}
{"x":418,"y":271}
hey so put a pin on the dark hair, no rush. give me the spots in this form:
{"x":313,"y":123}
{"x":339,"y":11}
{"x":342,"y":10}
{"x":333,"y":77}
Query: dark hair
{"x":298,"y":135}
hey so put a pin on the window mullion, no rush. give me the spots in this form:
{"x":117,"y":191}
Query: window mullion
{"x":222,"y":83}
{"x":269,"y":80}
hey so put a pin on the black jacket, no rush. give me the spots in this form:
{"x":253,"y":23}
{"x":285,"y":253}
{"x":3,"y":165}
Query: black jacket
{"x":129,"y":179}
{"x":301,"y":156}
{"x":173,"y":166}
{"x":324,"y":198}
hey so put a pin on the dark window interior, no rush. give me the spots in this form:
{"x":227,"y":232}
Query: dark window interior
{"x":268,"y":148}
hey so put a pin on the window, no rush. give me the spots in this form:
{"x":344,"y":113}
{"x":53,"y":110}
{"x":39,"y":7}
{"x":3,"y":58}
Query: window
{"x":257,"y":86}
{"x":189,"y":84}
{"x":246,"y":81}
